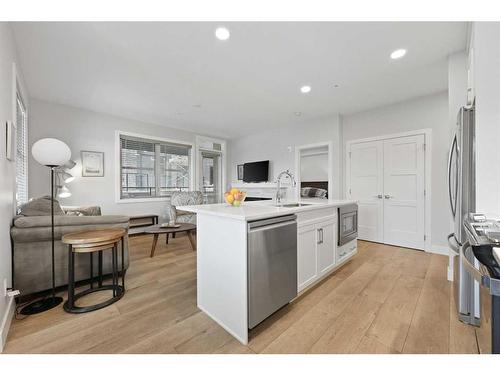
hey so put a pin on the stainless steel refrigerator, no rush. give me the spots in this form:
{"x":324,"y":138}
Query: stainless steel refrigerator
{"x":461,"y":189}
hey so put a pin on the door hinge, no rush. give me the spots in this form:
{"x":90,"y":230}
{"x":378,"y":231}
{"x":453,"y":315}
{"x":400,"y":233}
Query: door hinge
{"x":349,"y":190}
{"x":425,"y":237}
{"x":424,"y":146}
{"x":425,"y":192}
{"x":349,"y":154}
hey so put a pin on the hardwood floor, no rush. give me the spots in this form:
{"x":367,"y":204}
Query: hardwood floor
{"x":386,"y":300}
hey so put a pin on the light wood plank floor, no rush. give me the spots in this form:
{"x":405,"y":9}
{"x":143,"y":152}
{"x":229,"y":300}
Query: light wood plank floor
{"x":386,"y":300}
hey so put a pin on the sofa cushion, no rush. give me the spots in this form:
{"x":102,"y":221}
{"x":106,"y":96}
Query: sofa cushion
{"x":65,"y":220}
{"x":40,"y":207}
{"x":37,"y":228}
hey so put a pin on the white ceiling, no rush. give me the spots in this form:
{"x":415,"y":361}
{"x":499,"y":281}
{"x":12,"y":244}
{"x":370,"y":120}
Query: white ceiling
{"x":161,"y":72}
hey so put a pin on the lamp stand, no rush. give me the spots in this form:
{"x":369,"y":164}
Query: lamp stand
{"x":47,"y":303}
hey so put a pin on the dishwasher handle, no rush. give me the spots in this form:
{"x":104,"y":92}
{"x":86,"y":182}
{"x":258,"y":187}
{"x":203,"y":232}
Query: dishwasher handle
{"x":272,"y":226}
{"x":252,"y":225}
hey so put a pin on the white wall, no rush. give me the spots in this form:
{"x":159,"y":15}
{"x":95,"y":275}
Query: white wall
{"x":457,"y":87}
{"x":273,"y":145}
{"x":486,"y":70}
{"x":426,"y":112}
{"x":7,"y":171}
{"x":86,"y":130}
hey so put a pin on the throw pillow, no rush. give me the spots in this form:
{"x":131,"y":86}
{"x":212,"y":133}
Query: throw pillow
{"x":40,"y":207}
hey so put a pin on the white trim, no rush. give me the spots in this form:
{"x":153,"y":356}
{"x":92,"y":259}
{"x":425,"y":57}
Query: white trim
{"x":192,"y":166}
{"x":6,"y":321}
{"x":449,"y":273}
{"x":298,"y":149}
{"x":428,"y":173}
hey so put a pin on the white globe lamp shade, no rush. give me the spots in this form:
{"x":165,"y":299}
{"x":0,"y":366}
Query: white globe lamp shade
{"x":51,"y":152}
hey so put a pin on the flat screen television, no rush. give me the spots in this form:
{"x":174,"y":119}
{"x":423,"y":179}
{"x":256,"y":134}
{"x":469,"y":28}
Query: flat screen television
{"x":256,"y":172}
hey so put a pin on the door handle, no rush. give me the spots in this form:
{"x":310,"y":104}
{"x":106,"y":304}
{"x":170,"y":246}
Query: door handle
{"x":387,"y":196}
{"x":379,"y":196}
{"x":450,"y":157}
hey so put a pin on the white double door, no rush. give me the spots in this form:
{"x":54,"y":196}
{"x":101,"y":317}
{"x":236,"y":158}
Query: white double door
{"x":387,"y":178}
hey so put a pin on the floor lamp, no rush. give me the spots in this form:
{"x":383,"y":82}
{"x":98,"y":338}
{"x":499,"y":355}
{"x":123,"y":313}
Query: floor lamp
{"x":51,"y":153}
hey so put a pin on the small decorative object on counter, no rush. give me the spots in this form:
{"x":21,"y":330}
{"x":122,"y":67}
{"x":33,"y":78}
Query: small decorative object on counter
{"x":235,"y":197}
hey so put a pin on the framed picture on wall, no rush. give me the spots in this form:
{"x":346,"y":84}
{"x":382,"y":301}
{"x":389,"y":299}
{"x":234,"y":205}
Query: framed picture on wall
{"x":240,"y":172}
{"x":10,"y":137}
{"x":92,"y":164}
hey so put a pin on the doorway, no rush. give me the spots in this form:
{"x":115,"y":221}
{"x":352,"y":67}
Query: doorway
{"x":314,"y":170}
{"x":211,"y":176}
{"x":387,"y":176}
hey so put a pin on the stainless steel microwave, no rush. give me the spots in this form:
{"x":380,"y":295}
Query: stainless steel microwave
{"x":348,"y":223}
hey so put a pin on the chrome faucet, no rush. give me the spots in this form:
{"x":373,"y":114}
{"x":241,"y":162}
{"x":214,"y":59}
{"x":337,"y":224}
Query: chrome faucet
{"x":278,"y":182}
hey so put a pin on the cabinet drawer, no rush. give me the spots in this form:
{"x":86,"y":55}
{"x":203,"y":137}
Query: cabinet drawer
{"x":345,"y":251}
{"x":308,"y":217}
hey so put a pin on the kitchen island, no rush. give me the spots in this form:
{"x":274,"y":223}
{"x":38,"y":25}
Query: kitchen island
{"x":223,"y":253}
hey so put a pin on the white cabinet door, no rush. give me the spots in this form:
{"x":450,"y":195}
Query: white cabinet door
{"x":365,"y":184}
{"x":326,"y":241}
{"x":404,"y":191}
{"x":306,"y":256}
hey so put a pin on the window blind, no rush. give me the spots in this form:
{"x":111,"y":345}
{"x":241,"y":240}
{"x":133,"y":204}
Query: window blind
{"x":21,"y":151}
{"x":150,"y":168}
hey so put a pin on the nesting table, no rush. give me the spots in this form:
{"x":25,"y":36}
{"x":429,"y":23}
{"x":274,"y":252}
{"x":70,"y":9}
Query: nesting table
{"x":156,"y":230}
{"x":90,"y":242}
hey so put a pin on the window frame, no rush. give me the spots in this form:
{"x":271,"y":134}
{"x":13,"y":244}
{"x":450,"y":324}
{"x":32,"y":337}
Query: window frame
{"x":18,"y":90}
{"x":118,"y":173}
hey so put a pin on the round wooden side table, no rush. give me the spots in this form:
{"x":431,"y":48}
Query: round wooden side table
{"x":156,"y":230}
{"x":91,"y":242}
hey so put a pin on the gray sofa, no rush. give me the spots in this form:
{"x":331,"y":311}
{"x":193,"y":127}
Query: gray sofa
{"x":31,"y":247}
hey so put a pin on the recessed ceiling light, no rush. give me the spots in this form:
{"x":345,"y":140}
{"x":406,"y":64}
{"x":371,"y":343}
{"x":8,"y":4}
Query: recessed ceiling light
{"x":397,"y":54}
{"x":336,"y":85}
{"x":298,"y":113}
{"x":222,"y":33}
{"x":305,"y":89}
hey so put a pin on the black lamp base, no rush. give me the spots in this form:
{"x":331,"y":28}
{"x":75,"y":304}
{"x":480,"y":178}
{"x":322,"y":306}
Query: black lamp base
{"x":41,"y":305}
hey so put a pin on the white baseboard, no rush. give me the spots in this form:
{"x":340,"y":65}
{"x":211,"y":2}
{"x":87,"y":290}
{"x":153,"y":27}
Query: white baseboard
{"x":6,"y":320}
{"x":439,"y":249}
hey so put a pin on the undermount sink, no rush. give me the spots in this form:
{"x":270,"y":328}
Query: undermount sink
{"x":293,"y":205}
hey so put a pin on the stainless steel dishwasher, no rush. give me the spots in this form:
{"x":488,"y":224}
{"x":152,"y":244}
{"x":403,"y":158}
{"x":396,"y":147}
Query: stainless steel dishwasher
{"x":272,"y":266}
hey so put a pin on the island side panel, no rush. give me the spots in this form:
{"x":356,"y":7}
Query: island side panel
{"x":222,"y":272}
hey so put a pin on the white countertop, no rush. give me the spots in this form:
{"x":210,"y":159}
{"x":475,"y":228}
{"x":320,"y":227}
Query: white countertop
{"x":261,"y":209}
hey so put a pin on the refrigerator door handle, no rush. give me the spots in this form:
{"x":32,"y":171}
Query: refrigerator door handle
{"x":450,"y":158}
{"x":454,"y":247}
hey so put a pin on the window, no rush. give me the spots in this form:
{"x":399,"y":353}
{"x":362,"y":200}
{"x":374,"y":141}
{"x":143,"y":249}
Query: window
{"x":21,"y":150}
{"x":153,"y":169}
